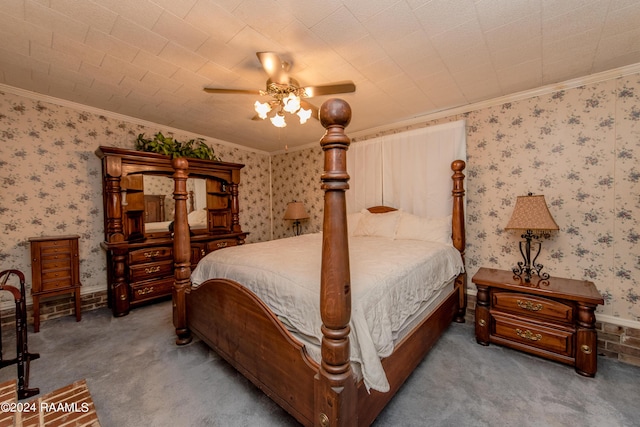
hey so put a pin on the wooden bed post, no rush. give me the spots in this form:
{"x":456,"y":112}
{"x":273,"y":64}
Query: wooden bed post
{"x":335,"y":386}
{"x":181,"y":251}
{"x":458,"y":232}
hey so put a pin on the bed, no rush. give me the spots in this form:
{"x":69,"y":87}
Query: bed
{"x":337,"y":385}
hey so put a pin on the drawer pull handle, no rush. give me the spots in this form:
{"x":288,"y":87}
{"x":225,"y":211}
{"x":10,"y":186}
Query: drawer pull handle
{"x":528,"y":335}
{"x":202,"y":252}
{"x":150,"y":270}
{"x":222,"y":244}
{"x":481,"y":322}
{"x":151,"y":254}
{"x":528,"y":305}
{"x":585,"y":349}
{"x":145,"y":291}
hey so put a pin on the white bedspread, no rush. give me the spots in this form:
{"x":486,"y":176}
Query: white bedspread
{"x":389,"y":280}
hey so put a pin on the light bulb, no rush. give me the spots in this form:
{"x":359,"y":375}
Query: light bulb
{"x":304,"y":115}
{"x":291,"y":103}
{"x":278,"y":120}
{"x":262,"y":109}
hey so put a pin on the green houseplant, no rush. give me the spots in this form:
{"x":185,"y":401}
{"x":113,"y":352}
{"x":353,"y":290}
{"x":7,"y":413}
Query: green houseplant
{"x":194,"y":148}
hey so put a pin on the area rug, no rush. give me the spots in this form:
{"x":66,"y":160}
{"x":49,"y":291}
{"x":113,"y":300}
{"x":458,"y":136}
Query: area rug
{"x":68,"y":406}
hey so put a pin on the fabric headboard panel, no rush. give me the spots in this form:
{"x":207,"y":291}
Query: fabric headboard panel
{"x":407,"y":170}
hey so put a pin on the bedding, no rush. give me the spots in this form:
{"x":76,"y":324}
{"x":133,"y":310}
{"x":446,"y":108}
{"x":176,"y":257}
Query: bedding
{"x":390,"y":280}
{"x":197,"y":220}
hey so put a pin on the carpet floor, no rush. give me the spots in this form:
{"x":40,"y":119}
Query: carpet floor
{"x":139,"y":377}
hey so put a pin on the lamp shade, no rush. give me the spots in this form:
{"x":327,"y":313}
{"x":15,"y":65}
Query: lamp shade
{"x":531,"y":213}
{"x":295,"y":211}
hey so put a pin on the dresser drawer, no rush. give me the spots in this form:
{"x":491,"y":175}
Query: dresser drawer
{"x":150,"y":254}
{"x":54,"y":247}
{"x":532,"y":306}
{"x":151,"y":289}
{"x":221,"y":244}
{"x":149,"y":271}
{"x":56,"y":279}
{"x":556,"y":340}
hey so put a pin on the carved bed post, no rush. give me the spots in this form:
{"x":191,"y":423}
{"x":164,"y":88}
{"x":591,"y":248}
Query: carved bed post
{"x":181,"y":251}
{"x":335,"y":389}
{"x":458,"y":232}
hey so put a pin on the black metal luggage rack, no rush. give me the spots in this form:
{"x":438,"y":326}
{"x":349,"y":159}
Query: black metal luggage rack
{"x":23,"y":357}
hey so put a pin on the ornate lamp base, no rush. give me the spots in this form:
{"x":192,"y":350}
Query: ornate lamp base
{"x":528,"y":266}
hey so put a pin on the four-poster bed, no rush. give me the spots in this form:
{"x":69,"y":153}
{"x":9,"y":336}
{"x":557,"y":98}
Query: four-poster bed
{"x":240,"y":327}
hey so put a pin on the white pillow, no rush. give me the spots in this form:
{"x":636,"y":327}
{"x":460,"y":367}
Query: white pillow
{"x":353,"y":219}
{"x":381,"y":225}
{"x":413,"y":227}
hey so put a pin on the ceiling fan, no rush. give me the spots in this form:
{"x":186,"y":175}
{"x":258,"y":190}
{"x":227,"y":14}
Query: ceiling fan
{"x":286,"y":93}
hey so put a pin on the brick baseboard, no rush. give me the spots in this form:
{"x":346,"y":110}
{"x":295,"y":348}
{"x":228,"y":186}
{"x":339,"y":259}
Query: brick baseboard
{"x":616,"y":342}
{"x":54,"y":307}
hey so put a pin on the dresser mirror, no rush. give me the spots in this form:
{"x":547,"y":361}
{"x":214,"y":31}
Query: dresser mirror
{"x":159,"y":204}
{"x":138,"y":190}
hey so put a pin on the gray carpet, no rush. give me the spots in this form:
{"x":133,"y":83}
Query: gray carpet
{"x":139,"y":377}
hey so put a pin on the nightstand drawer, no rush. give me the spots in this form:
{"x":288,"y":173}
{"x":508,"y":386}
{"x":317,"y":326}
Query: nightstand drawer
{"x":532,"y":306}
{"x":555,"y":340}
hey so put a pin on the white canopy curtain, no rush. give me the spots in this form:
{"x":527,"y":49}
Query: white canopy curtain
{"x":406,"y":170}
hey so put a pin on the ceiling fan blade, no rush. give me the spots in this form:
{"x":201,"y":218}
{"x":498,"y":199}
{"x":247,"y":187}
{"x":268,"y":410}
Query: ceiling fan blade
{"x":234,"y":91}
{"x":275,"y":68}
{"x":329,"y":89}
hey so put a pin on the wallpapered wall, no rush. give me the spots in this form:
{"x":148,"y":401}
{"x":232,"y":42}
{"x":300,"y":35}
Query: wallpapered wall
{"x":579,"y":147}
{"x":51,"y":181}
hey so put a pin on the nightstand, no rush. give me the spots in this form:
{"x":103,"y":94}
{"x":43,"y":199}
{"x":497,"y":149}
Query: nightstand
{"x":55,"y":269}
{"x":552,"y":318}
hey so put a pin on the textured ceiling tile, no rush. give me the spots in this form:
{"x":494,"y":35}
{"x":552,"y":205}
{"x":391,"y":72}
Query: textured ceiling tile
{"x":591,"y":17}
{"x":48,"y":56}
{"x":64,"y":45}
{"x":182,"y":57}
{"x":253,"y":12}
{"x":340,"y":27}
{"x":577,"y":45}
{"x":622,"y":20}
{"x":393,"y":23}
{"x":220,"y":53}
{"x":143,"y":12}
{"x":310,"y":12}
{"x":145,"y":39}
{"x":496,"y":13}
{"x":618,"y":49}
{"x":214,"y":20}
{"x":88,"y":12}
{"x":528,"y":50}
{"x":439,"y":16}
{"x":553,"y":72}
{"x":158,"y":65}
{"x":73,"y":77}
{"x":57,"y":22}
{"x":25,"y":30}
{"x":179,"y":32}
{"x":14,"y":42}
{"x":515,"y":32}
{"x":102,"y":75}
{"x":110,"y":45}
{"x":519,"y":77}
{"x":364,"y":10}
{"x":179,"y":8}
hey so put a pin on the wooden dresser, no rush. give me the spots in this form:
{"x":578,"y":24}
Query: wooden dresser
{"x":55,"y":269}
{"x":552,"y":318}
{"x":140,"y":265}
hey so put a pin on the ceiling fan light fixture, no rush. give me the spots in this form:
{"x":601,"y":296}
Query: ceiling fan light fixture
{"x":291,"y":103}
{"x":278,"y":120}
{"x":262,"y":109}
{"x":304,"y":115}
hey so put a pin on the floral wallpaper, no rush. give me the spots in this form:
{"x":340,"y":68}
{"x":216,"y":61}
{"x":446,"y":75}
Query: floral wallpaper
{"x":578,"y":147}
{"x":52,"y":181}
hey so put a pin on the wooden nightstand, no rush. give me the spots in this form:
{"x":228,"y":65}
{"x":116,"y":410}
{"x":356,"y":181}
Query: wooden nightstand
{"x":55,"y":268}
{"x":552,"y":318}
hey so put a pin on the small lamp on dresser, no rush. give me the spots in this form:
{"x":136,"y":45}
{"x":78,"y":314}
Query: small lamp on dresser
{"x":295,"y":211}
{"x":532,"y":215}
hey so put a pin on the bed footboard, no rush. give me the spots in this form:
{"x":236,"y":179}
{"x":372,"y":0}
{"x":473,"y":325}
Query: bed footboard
{"x":240,"y":328}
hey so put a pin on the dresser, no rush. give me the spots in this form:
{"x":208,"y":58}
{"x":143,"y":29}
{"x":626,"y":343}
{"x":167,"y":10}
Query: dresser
{"x":55,"y":269}
{"x":138,"y":243}
{"x":553,"y":318}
